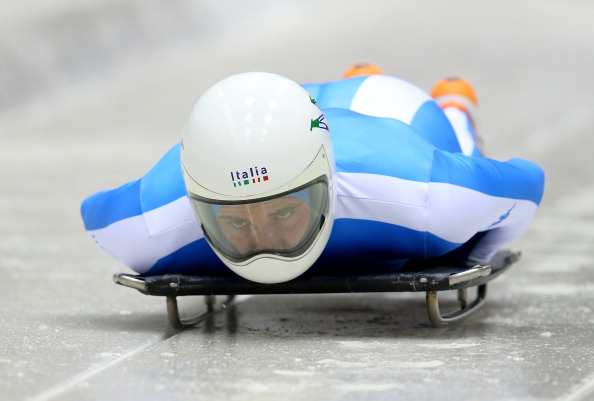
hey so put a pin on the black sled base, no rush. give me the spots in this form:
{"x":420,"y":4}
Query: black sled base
{"x":431,"y":277}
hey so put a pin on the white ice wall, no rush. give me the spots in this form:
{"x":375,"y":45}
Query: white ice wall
{"x":47,"y":46}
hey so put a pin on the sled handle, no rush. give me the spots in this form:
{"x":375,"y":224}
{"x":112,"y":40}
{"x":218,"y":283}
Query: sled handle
{"x":470,"y":274}
{"x":130,"y":281}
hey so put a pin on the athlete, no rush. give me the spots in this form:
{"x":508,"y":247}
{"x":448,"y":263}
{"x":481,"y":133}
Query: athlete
{"x":362,"y":174}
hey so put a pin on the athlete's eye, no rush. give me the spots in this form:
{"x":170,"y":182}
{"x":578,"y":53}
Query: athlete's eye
{"x":238,"y":223}
{"x":285,"y":213}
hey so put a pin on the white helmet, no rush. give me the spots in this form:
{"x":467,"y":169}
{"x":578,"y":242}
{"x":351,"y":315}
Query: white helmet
{"x":259,"y":171}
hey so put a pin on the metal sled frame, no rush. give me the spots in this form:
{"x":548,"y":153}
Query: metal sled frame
{"x":431,"y":277}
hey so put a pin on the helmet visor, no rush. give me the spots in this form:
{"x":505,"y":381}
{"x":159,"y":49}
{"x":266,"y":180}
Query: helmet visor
{"x":284,"y":225}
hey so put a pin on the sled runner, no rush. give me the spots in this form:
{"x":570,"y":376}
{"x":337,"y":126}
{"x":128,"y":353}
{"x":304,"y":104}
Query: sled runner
{"x":432,"y":277}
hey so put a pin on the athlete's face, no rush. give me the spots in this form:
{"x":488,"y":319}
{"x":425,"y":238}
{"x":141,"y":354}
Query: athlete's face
{"x":273,"y":225}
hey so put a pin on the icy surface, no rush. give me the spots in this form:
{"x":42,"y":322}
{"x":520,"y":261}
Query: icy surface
{"x":93,"y":93}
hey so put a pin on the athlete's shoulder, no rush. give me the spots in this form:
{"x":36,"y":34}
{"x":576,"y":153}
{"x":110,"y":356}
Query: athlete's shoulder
{"x":515,"y":178}
{"x":161,"y":185}
{"x":164,"y":183}
{"x":376,"y":145}
{"x":98,"y":210}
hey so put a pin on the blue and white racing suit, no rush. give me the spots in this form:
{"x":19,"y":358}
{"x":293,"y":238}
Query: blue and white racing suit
{"x":410,"y":184}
